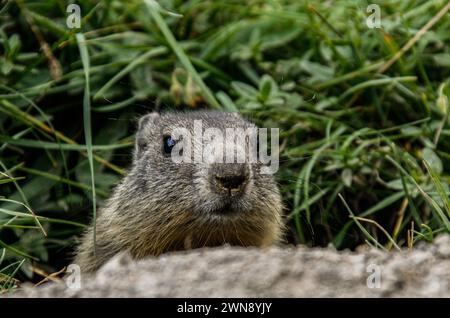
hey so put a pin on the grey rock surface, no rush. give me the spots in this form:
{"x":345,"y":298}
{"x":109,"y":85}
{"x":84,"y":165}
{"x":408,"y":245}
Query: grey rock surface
{"x":274,"y":272}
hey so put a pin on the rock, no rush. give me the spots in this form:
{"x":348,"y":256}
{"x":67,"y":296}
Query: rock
{"x":274,"y":272}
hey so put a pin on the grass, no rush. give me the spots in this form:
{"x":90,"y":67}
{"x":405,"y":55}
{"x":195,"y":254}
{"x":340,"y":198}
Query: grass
{"x":87,"y":123}
{"x":363,"y":113}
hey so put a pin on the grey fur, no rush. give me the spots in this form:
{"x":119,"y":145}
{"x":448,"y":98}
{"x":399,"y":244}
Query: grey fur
{"x":162,"y":206}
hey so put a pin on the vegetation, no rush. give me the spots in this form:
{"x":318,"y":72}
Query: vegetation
{"x":363,"y":112}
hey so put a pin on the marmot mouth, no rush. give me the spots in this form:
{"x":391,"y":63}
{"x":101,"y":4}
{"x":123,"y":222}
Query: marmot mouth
{"x":227,"y":209}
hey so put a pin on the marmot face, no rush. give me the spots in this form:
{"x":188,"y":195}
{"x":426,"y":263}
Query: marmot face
{"x":208,"y":186}
{"x":167,"y":204}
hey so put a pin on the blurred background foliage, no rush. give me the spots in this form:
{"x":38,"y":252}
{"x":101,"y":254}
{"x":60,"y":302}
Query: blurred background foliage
{"x":365,"y":145}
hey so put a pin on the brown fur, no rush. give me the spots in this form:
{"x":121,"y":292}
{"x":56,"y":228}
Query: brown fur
{"x":150,"y":213}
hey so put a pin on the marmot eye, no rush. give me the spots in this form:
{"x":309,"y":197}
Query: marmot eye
{"x":168,"y":143}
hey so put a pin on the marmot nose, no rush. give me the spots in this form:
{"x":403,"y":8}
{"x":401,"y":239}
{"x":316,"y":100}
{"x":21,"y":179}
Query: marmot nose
{"x":231,"y":182}
{"x":229,"y":176}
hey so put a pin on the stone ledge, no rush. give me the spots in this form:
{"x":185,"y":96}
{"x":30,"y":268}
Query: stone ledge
{"x":273,"y":272}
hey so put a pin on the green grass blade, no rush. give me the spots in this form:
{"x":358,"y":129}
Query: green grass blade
{"x":127,"y":69}
{"x":426,"y":196}
{"x":179,"y":52}
{"x":87,"y":124}
{"x":30,"y":143}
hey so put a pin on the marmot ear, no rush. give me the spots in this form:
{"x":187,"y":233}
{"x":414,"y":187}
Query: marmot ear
{"x":238,"y":115}
{"x":142,"y":137}
{"x":147,"y":119}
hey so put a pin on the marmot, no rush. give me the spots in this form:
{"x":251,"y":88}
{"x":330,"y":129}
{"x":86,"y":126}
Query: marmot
{"x":163,"y":206}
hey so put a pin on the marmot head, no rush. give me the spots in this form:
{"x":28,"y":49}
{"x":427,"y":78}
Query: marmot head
{"x":192,"y":162}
